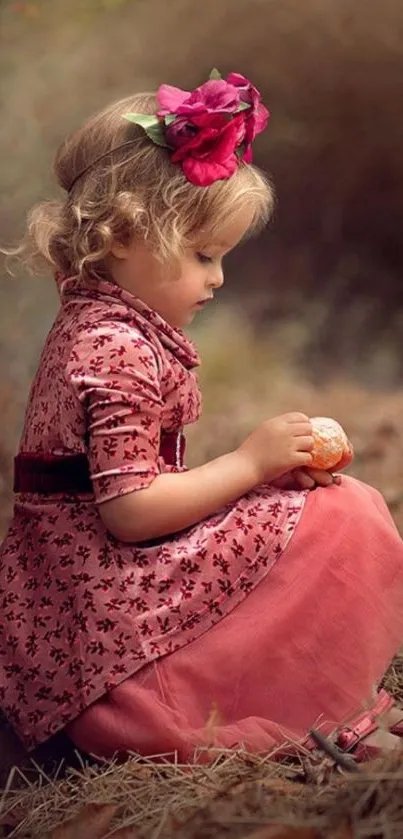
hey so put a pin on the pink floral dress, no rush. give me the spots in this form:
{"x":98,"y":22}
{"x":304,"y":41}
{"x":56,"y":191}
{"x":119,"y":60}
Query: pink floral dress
{"x":80,"y":611}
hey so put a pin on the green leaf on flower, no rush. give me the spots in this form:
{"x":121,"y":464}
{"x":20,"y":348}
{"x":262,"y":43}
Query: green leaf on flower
{"x":215,"y":74}
{"x":169,"y":118}
{"x":242,"y":107}
{"x":151,"y":125}
{"x":144,"y":120}
{"x":156,"y":134}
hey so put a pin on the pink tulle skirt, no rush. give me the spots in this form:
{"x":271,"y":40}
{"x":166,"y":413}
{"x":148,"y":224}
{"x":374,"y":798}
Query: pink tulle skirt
{"x":307,"y":647}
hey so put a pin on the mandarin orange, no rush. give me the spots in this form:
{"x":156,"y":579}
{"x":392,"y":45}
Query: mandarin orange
{"x":332,"y":446}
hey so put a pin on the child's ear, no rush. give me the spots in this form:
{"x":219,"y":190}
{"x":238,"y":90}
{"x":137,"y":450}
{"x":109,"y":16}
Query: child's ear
{"x":119,"y":250}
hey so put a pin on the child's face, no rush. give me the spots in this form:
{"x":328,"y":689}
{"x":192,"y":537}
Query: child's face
{"x":178,"y":293}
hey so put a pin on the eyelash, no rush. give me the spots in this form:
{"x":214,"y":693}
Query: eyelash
{"x":203,"y":258}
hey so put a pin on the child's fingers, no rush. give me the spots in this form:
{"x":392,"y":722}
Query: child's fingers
{"x":302,"y":479}
{"x":301,"y":429}
{"x":305,"y":444}
{"x":296,"y":416}
{"x":302,"y":458}
{"x":286,"y":481}
{"x":321,"y":477}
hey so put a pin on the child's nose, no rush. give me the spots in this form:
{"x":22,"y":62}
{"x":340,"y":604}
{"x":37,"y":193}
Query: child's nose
{"x":217,"y":279}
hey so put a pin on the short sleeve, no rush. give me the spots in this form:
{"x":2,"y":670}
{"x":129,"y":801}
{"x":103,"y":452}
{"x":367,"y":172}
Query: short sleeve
{"x":114,"y":372}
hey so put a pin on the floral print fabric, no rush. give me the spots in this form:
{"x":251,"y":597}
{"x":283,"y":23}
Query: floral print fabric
{"x":81,"y":611}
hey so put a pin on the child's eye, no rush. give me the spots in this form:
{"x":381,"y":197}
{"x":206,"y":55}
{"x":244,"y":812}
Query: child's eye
{"x":203,"y":258}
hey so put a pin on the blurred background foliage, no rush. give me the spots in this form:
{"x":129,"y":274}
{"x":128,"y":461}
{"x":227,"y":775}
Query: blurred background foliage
{"x":311,"y":316}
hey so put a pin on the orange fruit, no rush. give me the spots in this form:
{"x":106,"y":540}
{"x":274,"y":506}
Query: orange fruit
{"x":332,"y":447}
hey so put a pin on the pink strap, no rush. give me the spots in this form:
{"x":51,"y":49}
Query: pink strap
{"x":366,"y":723}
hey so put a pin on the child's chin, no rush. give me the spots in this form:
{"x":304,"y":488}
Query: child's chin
{"x":187,"y":320}
{"x":180,"y":322}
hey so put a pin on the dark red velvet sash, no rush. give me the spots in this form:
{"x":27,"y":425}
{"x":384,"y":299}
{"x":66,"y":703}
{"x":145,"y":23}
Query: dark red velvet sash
{"x":48,"y":474}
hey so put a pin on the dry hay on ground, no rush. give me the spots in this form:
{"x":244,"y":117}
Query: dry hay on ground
{"x":235,"y":796}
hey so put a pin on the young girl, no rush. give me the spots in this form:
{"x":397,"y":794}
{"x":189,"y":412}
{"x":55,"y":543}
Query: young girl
{"x":147,"y":607}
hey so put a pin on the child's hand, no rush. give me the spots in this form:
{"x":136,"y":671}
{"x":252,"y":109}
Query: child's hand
{"x":279,"y":445}
{"x":306,"y":479}
{"x":309,"y":478}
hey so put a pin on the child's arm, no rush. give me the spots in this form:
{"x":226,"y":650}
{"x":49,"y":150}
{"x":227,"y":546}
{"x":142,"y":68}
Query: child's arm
{"x":173,"y":502}
{"x":115,"y":376}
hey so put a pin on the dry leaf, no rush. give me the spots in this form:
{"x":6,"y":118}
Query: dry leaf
{"x":93,"y":822}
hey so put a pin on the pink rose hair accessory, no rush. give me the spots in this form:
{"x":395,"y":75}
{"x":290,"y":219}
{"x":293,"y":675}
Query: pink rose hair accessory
{"x":209,"y":130}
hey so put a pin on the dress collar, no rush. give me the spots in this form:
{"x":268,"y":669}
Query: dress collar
{"x":145,"y":318}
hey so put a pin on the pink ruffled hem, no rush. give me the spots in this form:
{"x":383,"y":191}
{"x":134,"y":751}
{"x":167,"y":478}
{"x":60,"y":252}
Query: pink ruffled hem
{"x":306,"y":647}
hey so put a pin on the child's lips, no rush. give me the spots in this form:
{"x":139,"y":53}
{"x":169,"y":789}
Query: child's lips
{"x":203,"y":302}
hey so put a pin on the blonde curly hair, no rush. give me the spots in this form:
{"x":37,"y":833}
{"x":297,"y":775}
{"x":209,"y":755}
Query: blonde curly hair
{"x":132,"y":191}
